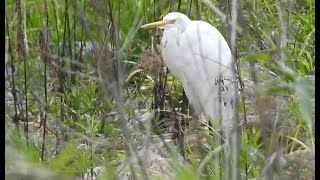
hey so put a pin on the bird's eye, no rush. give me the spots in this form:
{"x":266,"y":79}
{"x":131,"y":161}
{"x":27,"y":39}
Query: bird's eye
{"x":173,"y":21}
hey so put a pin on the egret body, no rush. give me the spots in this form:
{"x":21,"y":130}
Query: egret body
{"x":199,"y":56}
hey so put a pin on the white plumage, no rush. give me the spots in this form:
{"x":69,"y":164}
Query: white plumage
{"x":199,"y":56}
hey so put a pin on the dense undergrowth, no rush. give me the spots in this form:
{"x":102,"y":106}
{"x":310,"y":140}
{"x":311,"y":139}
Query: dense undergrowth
{"x":79,"y":75}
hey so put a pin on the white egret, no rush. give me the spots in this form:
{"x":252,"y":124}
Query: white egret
{"x":199,"y":56}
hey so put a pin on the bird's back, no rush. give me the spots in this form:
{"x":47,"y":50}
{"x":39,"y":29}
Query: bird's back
{"x":206,"y":41}
{"x":210,"y":70}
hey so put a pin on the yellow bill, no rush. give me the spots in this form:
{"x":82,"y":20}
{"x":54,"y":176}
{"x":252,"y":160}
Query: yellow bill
{"x":154,"y":24}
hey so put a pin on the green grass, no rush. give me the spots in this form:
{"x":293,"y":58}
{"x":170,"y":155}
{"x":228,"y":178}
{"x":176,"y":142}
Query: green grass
{"x":92,"y":110}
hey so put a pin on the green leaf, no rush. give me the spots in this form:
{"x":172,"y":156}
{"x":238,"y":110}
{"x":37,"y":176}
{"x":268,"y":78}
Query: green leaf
{"x":259,"y":57}
{"x":69,"y":161}
{"x":304,"y":92}
{"x":133,"y":73}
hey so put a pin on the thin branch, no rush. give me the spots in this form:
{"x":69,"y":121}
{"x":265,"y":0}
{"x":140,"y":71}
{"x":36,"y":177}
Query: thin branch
{"x":13,"y":88}
{"x":235,"y":135}
{"x":45,"y":81}
{"x":22,"y":57}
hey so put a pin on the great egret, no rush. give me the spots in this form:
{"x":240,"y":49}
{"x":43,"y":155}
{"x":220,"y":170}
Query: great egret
{"x":199,"y":56}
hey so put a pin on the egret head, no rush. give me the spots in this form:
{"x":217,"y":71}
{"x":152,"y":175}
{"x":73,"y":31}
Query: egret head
{"x":171,"y":20}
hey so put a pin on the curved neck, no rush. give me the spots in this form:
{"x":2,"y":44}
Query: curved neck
{"x":183,"y":25}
